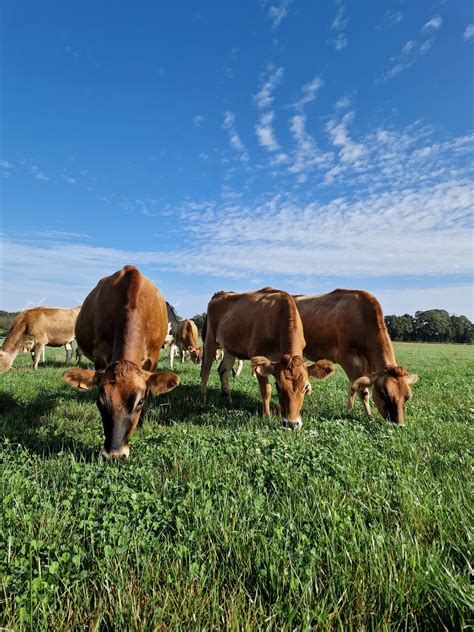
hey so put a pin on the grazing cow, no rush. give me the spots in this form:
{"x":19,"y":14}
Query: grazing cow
{"x":121,"y":328}
{"x":186,"y":339}
{"x":35,"y":328}
{"x":347,"y":327}
{"x":263,"y":327}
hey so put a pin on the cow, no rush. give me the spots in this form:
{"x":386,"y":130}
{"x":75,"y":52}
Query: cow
{"x":265,"y":328}
{"x":186,"y":339}
{"x":347,"y":327}
{"x":121,"y":328}
{"x":35,"y":328}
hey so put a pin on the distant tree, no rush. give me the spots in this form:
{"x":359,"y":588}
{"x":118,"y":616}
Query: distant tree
{"x":462,"y":330}
{"x":433,"y":325}
{"x":199,"y":320}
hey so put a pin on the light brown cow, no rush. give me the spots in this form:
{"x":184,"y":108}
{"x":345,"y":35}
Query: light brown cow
{"x":347,"y":327}
{"x":264,"y":327}
{"x":186,"y":339}
{"x":37,"y":328}
{"x":121,"y":328}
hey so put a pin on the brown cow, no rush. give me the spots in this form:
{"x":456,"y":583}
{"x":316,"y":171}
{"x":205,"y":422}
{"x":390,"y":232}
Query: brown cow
{"x":37,"y":328}
{"x":263,"y":327}
{"x":347,"y":327}
{"x":186,"y":339}
{"x":121,"y":328}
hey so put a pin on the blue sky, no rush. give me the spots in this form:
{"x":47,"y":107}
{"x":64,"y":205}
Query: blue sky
{"x":231,"y":145}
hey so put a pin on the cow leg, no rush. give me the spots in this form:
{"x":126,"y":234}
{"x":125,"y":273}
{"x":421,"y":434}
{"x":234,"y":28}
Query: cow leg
{"x":79,"y":355}
{"x":210,"y":348}
{"x":364,"y":398}
{"x":236,"y":372}
{"x":351,"y":398}
{"x":68,"y":347}
{"x":266,"y":392}
{"x":39,"y":347}
{"x":172,"y":348}
{"x":225,"y":370}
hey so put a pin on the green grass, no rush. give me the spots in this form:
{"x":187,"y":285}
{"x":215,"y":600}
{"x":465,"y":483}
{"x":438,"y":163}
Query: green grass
{"x":222,"y":520}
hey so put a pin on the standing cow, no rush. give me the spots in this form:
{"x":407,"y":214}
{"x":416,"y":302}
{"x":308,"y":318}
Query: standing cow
{"x":347,"y":327}
{"x":264,"y":327}
{"x":121,"y":328}
{"x":186,"y":339}
{"x":34,"y":329}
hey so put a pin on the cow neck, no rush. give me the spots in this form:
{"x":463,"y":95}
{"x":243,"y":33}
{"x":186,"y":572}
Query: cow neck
{"x":381,"y":354}
{"x":290,"y":341}
{"x":12,"y":342}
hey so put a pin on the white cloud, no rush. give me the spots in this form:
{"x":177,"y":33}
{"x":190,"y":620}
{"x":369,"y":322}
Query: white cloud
{"x":198,"y":120}
{"x":203,"y":155}
{"x":265,"y":134}
{"x":38,"y":174}
{"x":350,"y":151}
{"x":235,"y":141}
{"x":434,"y":24}
{"x":5,"y":164}
{"x":309,"y":92}
{"x":278,"y":12}
{"x":468,"y":34}
{"x":306,"y":156}
{"x":270,"y":80}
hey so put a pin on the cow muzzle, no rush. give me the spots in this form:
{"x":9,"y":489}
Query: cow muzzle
{"x":294,"y":424}
{"x":122,"y":451}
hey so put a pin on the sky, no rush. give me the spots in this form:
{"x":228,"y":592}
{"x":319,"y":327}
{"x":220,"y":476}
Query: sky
{"x":236,"y":144}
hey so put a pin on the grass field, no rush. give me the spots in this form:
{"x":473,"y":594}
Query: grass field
{"x":221,"y":520}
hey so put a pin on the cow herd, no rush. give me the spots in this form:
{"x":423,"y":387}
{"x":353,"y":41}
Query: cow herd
{"x":124,"y":323}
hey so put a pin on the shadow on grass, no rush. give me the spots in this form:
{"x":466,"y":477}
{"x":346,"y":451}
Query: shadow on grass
{"x":24,"y":423}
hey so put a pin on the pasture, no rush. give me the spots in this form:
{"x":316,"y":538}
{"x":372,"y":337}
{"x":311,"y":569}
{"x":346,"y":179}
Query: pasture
{"x":222,"y":520}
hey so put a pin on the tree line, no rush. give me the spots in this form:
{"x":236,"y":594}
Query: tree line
{"x":432,"y":325}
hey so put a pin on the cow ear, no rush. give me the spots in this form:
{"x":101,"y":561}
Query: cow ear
{"x":412,"y":378}
{"x":82,"y":379}
{"x":362,"y":383}
{"x":162,"y":382}
{"x":190,"y":348}
{"x":321,"y":370}
{"x":262,"y":366}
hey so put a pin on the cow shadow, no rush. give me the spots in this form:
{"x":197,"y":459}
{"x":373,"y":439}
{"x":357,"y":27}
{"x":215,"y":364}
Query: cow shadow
{"x":29,"y":425}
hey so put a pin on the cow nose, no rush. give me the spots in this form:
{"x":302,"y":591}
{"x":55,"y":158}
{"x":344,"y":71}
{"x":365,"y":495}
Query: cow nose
{"x":292,"y":424}
{"x":123,"y":451}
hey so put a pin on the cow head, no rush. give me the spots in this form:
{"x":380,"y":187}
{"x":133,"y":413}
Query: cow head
{"x":390,"y":390}
{"x":6,"y":361}
{"x":292,"y":380}
{"x":123,"y":388}
{"x":196,"y":354}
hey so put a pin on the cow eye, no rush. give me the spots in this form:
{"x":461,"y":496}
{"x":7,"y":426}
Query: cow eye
{"x":141,"y":402}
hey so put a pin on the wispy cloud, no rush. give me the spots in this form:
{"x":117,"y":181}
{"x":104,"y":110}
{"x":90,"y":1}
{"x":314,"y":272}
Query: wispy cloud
{"x":6,"y":164}
{"x":308,"y":92}
{"x":339,"y":25}
{"x":38,"y":174}
{"x":270,"y":80}
{"x":413,"y":49}
{"x":278,"y":11}
{"x":434,"y":24}
{"x":343,"y":103}
{"x":198,"y":120}
{"x":306,"y":156}
{"x":235,"y":141}
{"x":265,"y":134}
{"x":468,"y":34}
{"x":350,"y":151}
